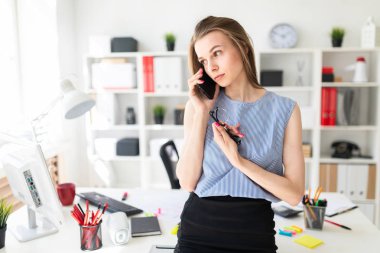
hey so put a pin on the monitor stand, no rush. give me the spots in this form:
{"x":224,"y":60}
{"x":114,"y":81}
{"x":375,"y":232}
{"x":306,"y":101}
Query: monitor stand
{"x":26,"y":232}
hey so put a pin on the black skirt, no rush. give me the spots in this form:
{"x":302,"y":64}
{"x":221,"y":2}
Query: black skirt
{"x":226,"y":224}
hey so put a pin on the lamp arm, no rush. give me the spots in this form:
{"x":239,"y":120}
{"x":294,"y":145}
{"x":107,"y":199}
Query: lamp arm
{"x":48,"y":108}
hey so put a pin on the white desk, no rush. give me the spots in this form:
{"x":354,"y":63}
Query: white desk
{"x":364,"y":235}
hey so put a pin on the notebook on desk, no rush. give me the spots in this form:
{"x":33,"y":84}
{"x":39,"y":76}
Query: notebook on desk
{"x":144,"y":226}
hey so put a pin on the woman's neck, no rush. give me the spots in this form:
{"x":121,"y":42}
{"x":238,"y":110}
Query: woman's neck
{"x":243,"y":93}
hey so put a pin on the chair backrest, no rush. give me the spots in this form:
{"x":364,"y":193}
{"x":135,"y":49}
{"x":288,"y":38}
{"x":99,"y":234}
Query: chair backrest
{"x":166,"y":151}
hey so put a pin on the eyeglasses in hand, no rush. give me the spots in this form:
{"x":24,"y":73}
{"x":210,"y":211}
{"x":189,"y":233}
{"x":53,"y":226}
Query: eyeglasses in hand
{"x":223,"y":123}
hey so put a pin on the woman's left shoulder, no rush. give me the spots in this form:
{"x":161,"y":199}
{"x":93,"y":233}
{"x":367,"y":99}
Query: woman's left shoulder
{"x":282,"y":101}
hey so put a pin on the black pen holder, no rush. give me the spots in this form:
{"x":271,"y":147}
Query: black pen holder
{"x":314,"y":216}
{"x":91,"y":237}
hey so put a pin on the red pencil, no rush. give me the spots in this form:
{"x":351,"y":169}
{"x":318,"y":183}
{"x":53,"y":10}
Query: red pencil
{"x":339,"y":225}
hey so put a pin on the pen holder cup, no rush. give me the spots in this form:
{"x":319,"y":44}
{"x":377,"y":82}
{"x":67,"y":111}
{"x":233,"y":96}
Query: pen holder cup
{"x":314,"y":216}
{"x":91,"y":237}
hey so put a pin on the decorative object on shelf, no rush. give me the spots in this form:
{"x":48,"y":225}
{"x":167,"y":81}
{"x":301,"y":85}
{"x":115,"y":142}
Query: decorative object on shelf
{"x":306,"y":149}
{"x":327,"y":74}
{"x":179,"y":112}
{"x":123,"y":44}
{"x":128,"y":147}
{"x":300,"y":67}
{"x":130,"y":116}
{"x":271,"y":77}
{"x":337,"y":35}
{"x":5,"y":210}
{"x":346,"y":150}
{"x":348,"y":104}
{"x":283,"y":35}
{"x":370,"y":34}
{"x":159,"y":113}
{"x":359,"y":68}
{"x":170,"y":41}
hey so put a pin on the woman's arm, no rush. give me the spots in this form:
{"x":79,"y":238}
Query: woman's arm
{"x":189,"y":167}
{"x":289,"y":187}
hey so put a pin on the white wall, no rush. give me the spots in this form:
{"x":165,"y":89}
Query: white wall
{"x":148,"y":20}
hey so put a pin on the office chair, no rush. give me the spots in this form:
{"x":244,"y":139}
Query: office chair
{"x":165,"y":152}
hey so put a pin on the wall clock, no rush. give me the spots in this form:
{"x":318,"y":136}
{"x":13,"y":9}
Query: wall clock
{"x":283,"y":35}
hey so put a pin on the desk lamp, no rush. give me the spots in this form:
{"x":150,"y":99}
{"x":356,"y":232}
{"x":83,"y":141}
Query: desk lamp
{"x":75,"y":104}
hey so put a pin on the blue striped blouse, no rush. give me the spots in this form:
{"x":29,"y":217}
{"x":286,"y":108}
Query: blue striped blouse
{"x":263,"y":123}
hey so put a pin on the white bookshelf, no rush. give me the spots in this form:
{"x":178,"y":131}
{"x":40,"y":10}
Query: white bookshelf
{"x":148,"y":167}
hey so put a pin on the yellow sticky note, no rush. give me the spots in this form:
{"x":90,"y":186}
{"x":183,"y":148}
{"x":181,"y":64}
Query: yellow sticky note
{"x":174,"y":230}
{"x":308,"y":241}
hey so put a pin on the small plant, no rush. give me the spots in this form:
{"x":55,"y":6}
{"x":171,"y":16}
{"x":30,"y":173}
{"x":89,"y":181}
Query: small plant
{"x":159,"y":110}
{"x":170,"y":38}
{"x":5,"y":211}
{"x":337,"y":33}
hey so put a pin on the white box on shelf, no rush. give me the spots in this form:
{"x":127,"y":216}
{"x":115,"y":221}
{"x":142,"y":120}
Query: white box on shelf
{"x":167,"y":74}
{"x":105,"y":147}
{"x":114,"y":75}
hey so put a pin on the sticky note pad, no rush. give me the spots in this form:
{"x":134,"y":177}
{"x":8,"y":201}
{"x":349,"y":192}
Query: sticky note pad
{"x":291,"y":229}
{"x":296,"y":228}
{"x":174,"y":230}
{"x":308,"y":241}
{"x":286,"y":233}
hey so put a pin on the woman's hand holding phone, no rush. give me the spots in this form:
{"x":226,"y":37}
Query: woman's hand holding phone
{"x":199,"y":101}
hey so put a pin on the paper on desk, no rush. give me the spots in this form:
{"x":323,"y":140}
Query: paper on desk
{"x":337,"y":203}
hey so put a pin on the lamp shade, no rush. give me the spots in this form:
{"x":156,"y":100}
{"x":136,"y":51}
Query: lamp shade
{"x":75,"y":102}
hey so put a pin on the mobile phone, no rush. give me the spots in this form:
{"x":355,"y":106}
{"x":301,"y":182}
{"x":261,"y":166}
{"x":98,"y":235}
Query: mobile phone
{"x":208,"y":87}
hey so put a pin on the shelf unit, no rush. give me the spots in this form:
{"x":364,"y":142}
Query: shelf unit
{"x":303,"y":63}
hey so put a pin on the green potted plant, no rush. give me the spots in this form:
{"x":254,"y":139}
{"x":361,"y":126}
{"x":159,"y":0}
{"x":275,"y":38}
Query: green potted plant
{"x":5,"y":210}
{"x":170,"y":41}
{"x":159,"y":113}
{"x":337,"y":35}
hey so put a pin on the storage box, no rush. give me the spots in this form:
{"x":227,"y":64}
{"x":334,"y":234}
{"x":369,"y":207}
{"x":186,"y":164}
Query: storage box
{"x":123,"y":44}
{"x":271,"y":77}
{"x":114,"y":75}
{"x":128,"y":147}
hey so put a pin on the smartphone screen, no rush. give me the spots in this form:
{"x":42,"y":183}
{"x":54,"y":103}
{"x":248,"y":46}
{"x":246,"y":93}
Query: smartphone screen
{"x":208,"y":87}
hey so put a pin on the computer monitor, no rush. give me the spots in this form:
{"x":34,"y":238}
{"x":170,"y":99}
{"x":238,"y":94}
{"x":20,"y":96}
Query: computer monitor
{"x":30,"y":181}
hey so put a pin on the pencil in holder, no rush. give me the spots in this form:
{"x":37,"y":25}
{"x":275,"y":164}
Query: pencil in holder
{"x":314,"y":216}
{"x":91,"y":237}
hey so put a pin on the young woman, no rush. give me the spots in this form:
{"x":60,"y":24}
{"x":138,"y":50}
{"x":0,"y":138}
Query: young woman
{"x":232,"y":186}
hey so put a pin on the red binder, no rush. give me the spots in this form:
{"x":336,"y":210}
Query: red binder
{"x":324,"y":106}
{"x":148,"y":74}
{"x":332,"y":106}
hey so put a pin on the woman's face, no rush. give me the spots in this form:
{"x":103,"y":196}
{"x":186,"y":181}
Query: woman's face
{"x":220,"y":58}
